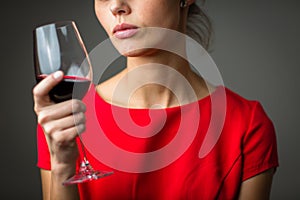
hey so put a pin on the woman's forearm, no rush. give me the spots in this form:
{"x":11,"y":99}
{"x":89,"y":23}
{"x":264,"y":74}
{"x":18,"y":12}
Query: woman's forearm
{"x":58,"y":191}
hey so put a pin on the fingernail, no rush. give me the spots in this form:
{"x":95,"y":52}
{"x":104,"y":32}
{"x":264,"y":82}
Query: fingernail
{"x":57,"y":74}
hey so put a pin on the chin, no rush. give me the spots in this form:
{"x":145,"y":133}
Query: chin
{"x":146,"y":42}
{"x":139,"y":52}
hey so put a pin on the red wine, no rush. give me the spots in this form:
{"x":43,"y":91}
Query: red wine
{"x":70,"y":87}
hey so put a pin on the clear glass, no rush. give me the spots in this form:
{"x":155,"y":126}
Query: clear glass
{"x":58,"y":46}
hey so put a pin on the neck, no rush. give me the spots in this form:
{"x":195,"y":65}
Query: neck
{"x":161,"y":79}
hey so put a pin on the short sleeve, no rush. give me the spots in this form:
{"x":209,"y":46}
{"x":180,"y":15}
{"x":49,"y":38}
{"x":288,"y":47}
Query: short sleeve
{"x":43,"y":151}
{"x":259,"y":144}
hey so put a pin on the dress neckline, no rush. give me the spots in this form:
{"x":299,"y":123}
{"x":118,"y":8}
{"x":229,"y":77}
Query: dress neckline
{"x":205,"y":99}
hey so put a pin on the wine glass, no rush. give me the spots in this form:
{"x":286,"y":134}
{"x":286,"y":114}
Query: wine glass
{"x":58,"y":46}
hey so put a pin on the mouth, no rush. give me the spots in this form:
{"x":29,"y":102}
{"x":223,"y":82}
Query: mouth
{"x":123,"y":31}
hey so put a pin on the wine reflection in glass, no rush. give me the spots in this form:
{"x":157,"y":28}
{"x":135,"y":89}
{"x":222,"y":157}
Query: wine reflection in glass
{"x":58,"y":46}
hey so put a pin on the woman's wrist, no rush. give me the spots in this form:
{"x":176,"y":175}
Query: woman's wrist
{"x":63,"y":170}
{"x":59,"y":174}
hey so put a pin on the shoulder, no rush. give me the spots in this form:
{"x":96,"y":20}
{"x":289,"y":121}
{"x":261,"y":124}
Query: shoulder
{"x":246,"y":115}
{"x":239,"y":102}
{"x":239,"y":105}
{"x":257,"y":126}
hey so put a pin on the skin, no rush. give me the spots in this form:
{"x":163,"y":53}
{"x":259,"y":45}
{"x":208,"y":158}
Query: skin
{"x":140,"y":14}
{"x":60,"y":131}
{"x":57,"y":119}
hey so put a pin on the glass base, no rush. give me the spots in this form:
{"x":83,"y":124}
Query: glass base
{"x":86,"y":173}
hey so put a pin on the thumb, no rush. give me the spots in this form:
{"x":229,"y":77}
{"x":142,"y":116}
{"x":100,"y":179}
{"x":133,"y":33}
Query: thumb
{"x":42,"y":89}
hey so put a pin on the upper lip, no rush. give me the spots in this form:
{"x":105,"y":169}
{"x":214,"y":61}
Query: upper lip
{"x":123,"y":26}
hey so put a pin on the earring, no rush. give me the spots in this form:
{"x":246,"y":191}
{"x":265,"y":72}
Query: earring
{"x":183,"y":3}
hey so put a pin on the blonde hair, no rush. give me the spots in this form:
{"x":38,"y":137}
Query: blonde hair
{"x":199,"y":26}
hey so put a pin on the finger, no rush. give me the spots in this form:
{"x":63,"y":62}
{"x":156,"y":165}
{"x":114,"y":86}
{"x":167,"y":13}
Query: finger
{"x":61,"y":110}
{"x":64,"y":123}
{"x":42,"y":89}
{"x":68,"y":135}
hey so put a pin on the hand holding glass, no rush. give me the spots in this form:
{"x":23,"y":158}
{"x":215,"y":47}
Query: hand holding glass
{"x":58,"y":46}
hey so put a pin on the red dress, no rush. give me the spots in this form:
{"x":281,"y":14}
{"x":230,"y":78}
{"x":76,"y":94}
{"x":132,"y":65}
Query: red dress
{"x":209,"y":159}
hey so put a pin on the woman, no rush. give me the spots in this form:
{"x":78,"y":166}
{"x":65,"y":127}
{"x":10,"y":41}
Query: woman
{"x":241,"y":163}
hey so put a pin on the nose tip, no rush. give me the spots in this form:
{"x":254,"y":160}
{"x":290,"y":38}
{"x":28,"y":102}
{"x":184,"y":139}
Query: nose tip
{"x":119,"y":7}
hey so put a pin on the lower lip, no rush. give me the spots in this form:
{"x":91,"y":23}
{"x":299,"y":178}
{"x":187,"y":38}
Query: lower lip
{"x":123,"y":34}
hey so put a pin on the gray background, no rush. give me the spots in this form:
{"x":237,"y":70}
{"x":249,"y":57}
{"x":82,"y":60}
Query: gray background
{"x":256,"y":48}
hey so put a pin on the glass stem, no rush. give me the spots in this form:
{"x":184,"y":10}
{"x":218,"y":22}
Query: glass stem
{"x":86,"y":162}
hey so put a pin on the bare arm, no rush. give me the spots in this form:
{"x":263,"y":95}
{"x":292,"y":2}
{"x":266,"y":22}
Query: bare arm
{"x":49,"y":187}
{"x":61,"y":122}
{"x":46,"y":182}
{"x":257,"y":187}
